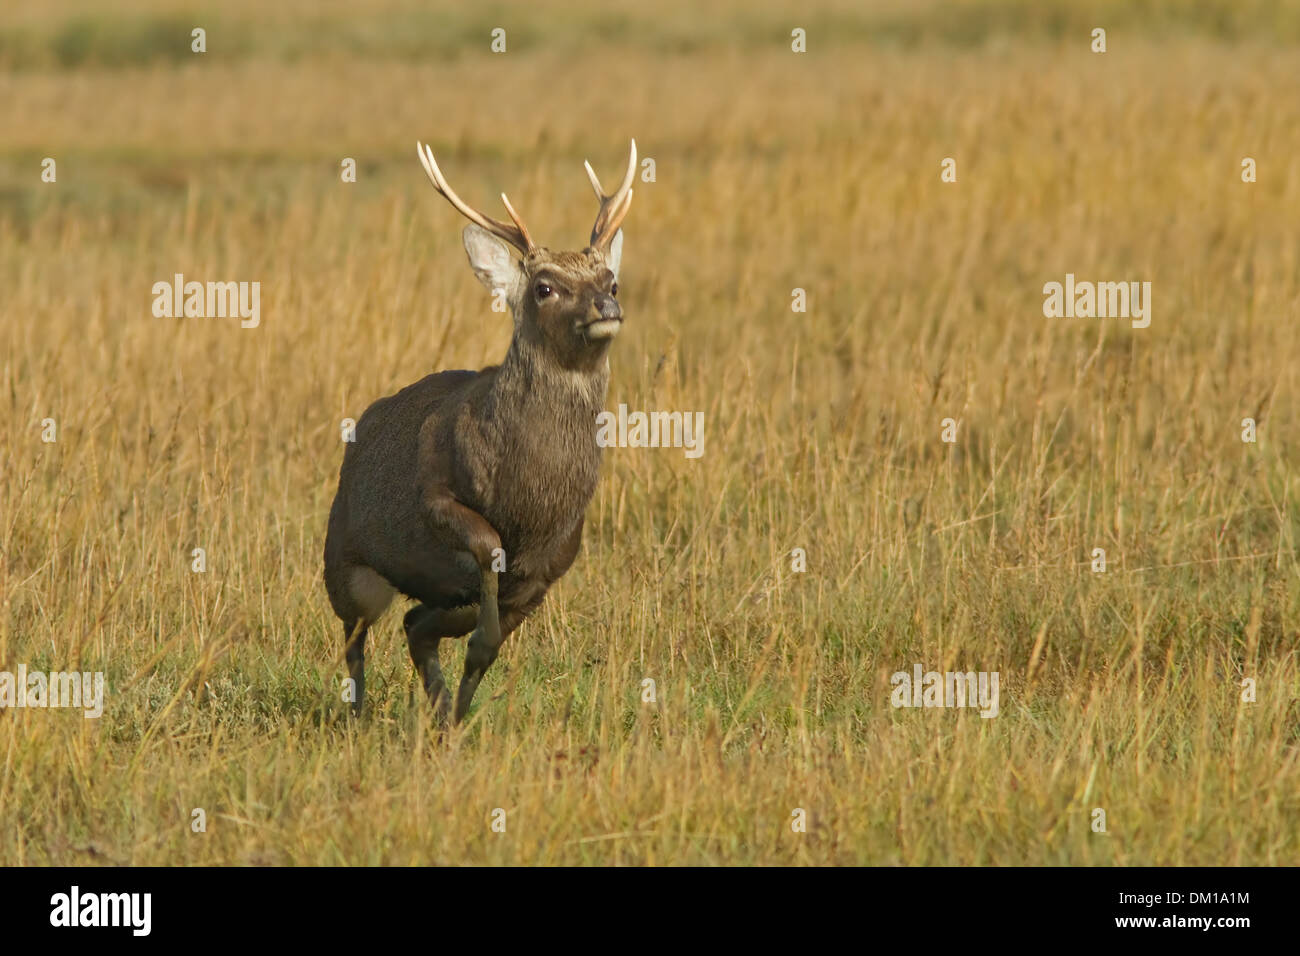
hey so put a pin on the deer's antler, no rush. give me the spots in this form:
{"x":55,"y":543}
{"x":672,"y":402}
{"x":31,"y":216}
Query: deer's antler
{"x":614,"y":206}
{"x":516,"y":235}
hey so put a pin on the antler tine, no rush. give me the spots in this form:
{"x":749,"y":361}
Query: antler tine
{"x":595,"y":183}
{"x":517,"y":235}
{"x":616,"y":220}
{"x":614,"y":206}
{"x":519,"y":223}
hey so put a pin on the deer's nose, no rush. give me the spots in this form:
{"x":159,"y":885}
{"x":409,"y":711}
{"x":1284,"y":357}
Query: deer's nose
{"x":607,"y":306}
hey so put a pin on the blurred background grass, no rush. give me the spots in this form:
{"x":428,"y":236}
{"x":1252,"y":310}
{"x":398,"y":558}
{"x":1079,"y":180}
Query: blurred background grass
{"x":136,"y":33}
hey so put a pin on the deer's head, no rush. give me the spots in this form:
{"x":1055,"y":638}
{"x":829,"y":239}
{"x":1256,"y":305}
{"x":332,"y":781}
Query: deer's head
{"x":564,"y":303}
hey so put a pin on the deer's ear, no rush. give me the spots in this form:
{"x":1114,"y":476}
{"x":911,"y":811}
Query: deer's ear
{"x":614,"y":256}
{"x":492,"y":262}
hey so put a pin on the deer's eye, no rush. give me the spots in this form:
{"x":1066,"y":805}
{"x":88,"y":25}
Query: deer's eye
{"x":613,"y":290}
{"x":544,"y":291}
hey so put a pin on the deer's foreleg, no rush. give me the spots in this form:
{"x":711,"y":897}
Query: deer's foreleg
{"x":481,"y":650}
{"x":467,"y":530}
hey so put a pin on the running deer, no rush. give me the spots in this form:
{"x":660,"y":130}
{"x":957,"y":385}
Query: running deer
{"x":466,"y":491}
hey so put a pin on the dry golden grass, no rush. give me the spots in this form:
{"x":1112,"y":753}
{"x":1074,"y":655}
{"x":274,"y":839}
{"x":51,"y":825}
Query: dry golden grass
{"x":1119,"y":690}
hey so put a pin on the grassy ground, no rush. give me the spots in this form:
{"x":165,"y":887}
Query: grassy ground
{"x":1120,"y":690}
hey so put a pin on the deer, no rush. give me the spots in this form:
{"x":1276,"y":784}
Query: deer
{"x":467,"y":490}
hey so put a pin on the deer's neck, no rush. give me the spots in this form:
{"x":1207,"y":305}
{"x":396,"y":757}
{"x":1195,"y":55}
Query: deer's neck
{"x":542,"y":395}
{"x":539,"y":420}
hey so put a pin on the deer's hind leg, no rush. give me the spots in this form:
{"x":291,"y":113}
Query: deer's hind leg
{"x":425,"y":628}
{"x":354,"y":638}
{"x":359,"y":596}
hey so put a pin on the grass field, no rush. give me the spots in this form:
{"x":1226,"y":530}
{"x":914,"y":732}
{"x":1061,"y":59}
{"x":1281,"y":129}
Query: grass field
{"x":1120,"y":691}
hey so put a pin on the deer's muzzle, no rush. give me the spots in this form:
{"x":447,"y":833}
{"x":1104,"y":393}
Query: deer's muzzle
{"x":607,"y":307}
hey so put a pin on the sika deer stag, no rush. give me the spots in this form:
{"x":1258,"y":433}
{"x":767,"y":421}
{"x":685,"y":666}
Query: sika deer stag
{"x":460,"y":464}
